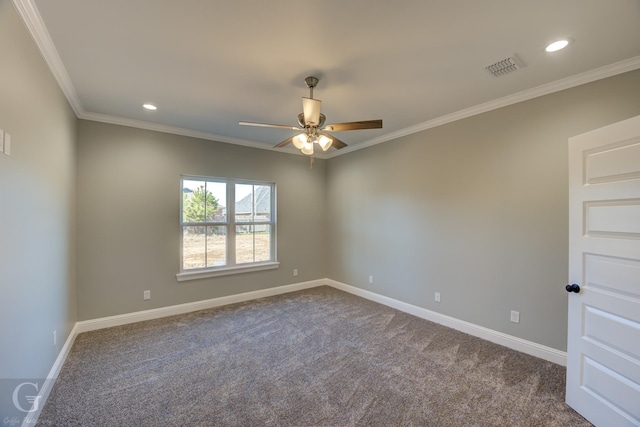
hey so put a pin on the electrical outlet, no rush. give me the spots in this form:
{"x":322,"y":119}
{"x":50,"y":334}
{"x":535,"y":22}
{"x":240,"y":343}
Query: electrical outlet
{"x":437,"y":297}
{"x":515,"y":316}
{"x":371,"y":280}
{"x":147,"y":294}
{"x":295,"y":272}
{"x":55,"y":338}
{"x":1,"y":141}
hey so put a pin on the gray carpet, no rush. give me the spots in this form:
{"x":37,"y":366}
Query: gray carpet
{"x":308,"y":358}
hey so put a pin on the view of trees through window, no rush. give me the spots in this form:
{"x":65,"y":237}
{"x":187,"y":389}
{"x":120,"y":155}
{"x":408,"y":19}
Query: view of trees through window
{"x":216,"y":235}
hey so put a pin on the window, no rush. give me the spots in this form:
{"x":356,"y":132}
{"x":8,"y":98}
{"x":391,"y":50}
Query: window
{"x":228,"y":226}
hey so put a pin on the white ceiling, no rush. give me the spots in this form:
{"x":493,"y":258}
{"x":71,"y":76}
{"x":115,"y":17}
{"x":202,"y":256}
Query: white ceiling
{"x":412,"y":63}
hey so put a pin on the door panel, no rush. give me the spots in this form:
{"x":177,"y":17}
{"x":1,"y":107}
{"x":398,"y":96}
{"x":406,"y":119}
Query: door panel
{"x":618,"y":274}
{"x":615,"y":218}
{"x":608,"y":386}
{"x":614,"y":162}
{"x":603,"y":347}
{"x":598,"y":323}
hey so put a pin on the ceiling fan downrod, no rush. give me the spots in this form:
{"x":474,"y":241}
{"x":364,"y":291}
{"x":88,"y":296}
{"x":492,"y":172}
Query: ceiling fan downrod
{"x":311,"y":83}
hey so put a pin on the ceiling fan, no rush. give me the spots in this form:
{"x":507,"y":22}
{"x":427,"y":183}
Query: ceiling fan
{"x":312,"y":124}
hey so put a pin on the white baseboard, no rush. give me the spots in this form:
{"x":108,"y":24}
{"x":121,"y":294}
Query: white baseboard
{"x":32,"y":416}
{"x":514,"y":343}
{"x":156,"y":313}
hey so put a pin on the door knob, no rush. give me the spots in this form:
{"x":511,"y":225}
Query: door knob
{"x":573,"y":288}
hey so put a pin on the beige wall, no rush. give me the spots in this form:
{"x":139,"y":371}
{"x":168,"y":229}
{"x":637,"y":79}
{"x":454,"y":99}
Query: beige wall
{"x":476,"y":210}
{"x":37,"y":211}
{"x":128,"y":222}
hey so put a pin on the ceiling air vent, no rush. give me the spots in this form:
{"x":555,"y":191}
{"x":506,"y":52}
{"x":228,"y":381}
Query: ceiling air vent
{"x":504,"y":66}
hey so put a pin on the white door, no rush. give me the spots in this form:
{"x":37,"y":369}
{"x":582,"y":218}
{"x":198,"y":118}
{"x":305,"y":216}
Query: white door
{"x":603,"y":346}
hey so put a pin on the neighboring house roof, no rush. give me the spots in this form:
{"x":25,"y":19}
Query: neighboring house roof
{"x":262,"y":196}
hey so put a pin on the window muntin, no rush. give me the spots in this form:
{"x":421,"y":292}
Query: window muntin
{"x":217,"y":235}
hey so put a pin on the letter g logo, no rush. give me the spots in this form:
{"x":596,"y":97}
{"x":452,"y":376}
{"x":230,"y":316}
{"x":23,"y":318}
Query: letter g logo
{"x":31,"y":399}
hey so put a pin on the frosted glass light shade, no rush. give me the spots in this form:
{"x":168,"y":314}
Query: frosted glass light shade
{"x":299,"y":141}
{"x":325,"y":142}
{"x":307,"y":148}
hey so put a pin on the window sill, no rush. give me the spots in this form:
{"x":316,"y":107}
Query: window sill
{"x":203,"y":274}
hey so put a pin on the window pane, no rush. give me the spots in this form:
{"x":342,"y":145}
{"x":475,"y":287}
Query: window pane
{"x":262,"y":203}
{"x":253,"y":243}
{"x":193,"y":247}
{"x":253,"y":203}
{"x":204,"y":246}
{"x":244,"y":203}
{"x":216,"y":206}
{"x":262,"y":236}
{"x":216,"y":246}
{"x":192,"y":201}
{"x":244,"y":244}
{"x":203,"y":201}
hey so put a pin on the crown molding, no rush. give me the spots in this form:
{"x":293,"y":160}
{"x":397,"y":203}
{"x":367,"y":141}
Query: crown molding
{"x":525,"y":95}
{"x":174,"y":130}
{"x":33,"y":21}
{"x":141,"y":124}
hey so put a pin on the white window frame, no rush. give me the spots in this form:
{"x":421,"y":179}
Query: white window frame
{"x":231,"y":266}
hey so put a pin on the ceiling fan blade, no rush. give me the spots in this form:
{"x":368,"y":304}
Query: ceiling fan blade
{"x":367,"y":124}
{"x":285,"y":142}
{"x":268,"y":125}
{"x":336,"y":142}
{"x":311,"y":111}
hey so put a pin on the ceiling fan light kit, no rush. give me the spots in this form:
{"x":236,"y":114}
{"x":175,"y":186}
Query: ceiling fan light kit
{"x":299,"y":141}
{"x":307,"y":148}
{"x":311,"y":123}
{"x":324,"y":142}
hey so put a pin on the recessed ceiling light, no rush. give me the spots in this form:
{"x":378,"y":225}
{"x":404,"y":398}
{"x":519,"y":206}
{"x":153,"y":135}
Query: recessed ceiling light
{"x":557,"y":45}
{"x":150,"y":107}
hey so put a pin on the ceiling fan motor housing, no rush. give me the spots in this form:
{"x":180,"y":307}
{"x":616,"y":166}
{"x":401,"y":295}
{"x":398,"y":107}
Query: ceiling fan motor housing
{"x":302,"y":124}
